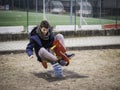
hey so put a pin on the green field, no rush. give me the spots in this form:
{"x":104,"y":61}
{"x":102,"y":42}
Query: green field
{"x":16,"y":18}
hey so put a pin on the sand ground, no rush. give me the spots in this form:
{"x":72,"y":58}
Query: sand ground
{"x":88,"y":70}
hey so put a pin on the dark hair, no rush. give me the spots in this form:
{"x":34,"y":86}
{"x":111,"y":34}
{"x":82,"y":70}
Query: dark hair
{"x":45,"y":24}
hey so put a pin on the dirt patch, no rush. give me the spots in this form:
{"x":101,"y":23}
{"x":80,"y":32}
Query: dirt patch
{"x":88,"y":70}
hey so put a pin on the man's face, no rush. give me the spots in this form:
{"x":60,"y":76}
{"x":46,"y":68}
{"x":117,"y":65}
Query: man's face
{"x":44,"y":30}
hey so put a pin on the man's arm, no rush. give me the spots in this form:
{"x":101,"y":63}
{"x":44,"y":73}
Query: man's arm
{"x":29,"y":48}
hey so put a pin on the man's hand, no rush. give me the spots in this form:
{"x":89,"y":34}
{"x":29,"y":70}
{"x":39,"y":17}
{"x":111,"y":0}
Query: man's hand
{"x":31,"y":57}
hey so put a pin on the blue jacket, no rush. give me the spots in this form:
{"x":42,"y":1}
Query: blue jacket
{"x":36,"y":43}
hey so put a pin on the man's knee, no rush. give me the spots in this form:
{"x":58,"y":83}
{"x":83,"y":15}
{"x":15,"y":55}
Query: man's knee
{"x":59,"y":36}
{"x":41,"y":51}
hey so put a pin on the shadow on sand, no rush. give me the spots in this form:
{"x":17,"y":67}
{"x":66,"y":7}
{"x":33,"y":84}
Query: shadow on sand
{"x":49,"y":75}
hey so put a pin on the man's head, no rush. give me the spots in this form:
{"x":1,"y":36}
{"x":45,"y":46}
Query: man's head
{"x":43,"y":30}
{"x":44,"y":26}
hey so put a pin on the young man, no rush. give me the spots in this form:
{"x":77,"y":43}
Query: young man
{"x":41,"y":40}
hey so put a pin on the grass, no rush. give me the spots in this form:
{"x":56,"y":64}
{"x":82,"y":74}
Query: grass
{"x":16,"y":18}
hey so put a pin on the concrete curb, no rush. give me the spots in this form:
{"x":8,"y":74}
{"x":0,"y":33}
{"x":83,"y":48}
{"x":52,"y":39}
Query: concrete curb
{"x":67,"y":34}
{"x":77,"y":43}
{"x":70,"y":48}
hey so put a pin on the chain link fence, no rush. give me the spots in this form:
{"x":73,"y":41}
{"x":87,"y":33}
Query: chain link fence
{"x":59,"y":12}
{"x":75,"y":15}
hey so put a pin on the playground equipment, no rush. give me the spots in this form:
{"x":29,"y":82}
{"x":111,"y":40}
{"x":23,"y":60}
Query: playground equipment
{"x":59,"y":52}
{"x":55,"y":7}
{"x":84,"y":8}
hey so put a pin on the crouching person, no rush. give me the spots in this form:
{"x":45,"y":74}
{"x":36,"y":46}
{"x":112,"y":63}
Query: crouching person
{"x":41,"y":40}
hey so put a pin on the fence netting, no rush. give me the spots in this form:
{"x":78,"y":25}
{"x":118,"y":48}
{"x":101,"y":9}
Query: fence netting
{"x":59,"y":12}
{"x":62,"y":14}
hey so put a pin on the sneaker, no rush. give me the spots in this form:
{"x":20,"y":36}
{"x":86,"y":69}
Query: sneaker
{"x":70,"y":55}
{"x":58,"y":72}
{"x":62,"y":62}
